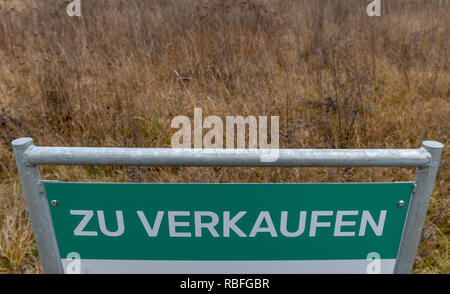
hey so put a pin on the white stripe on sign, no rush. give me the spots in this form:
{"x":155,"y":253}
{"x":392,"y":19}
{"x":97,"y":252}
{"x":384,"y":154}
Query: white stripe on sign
{"x":101,"y":266}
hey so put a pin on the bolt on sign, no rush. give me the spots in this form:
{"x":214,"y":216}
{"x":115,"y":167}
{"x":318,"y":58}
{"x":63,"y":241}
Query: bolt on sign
{"x":227,"y":228}
{"x":239,"y":228}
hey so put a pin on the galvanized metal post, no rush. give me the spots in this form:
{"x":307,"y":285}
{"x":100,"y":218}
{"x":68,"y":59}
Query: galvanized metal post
{"x":38,"y":208}
{"x":425,"y":178}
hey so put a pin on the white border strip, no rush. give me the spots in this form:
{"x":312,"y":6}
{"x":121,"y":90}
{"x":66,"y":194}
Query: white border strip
{"x":101,"y":266}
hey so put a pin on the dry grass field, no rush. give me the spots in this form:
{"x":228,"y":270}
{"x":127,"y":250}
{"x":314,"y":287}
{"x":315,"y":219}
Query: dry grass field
{"x":118,"y":75}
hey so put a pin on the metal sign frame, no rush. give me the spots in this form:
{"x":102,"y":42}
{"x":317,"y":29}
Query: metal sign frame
{"x":28,"y":158}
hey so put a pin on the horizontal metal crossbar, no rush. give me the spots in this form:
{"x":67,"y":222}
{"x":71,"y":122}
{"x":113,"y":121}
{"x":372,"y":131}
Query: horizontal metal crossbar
{"x":228,"y":157}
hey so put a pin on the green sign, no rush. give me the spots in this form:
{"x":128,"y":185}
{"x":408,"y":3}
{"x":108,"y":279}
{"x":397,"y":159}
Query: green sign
{"x":256,"y":224}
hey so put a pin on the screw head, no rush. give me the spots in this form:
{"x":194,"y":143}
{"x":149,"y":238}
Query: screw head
{"x":54,"y":203}
{"x":401,"y":203}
